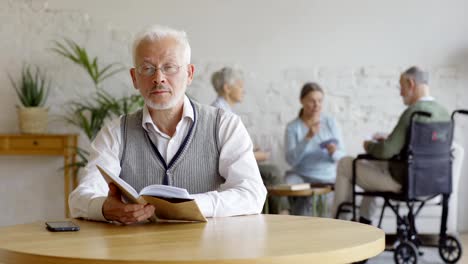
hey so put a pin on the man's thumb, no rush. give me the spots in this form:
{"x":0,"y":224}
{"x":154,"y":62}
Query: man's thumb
{"x":113,"y":190}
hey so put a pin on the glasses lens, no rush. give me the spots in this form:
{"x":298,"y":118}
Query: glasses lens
{"x":150,"y":70}
{"x":146,"y":70}
{"x":170,"y":69}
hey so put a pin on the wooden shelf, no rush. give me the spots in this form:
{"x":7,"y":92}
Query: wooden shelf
{"x":45,"y":145}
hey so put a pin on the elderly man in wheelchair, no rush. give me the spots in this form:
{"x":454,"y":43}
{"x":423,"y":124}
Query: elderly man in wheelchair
{"x":410,"y":166}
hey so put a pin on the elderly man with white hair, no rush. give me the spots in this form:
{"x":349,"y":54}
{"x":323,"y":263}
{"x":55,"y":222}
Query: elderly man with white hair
{"x":382,"y":175}
{"x":173,"y":140}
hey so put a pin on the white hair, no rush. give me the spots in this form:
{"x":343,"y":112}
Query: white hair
{"x":226,"y":75}
{"x":157,"y":32}
{"x":418,"y":75}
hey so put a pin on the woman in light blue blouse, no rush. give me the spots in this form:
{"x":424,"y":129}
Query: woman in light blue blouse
{"x":313,"y":146}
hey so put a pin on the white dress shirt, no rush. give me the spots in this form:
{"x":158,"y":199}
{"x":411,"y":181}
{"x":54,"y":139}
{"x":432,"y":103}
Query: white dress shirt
{"x":242,"y":193}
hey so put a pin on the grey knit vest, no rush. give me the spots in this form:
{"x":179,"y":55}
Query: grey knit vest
{"x":194,"y":166}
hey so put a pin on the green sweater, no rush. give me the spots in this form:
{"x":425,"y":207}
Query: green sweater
{"x":396,"y":140}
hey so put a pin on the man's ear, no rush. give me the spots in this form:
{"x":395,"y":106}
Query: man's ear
{"x":190,"y":73}
{"x":411,"y":83}
{"x":132,"y":73}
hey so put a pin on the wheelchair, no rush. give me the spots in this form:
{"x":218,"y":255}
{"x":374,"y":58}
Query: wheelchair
{"x":426,"y":160}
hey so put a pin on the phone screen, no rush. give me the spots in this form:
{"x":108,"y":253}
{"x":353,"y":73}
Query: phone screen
{"x":62,"y":226}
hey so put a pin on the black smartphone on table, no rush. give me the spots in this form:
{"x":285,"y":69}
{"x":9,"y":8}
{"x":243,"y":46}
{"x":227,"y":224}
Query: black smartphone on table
{"x":62,"y":226}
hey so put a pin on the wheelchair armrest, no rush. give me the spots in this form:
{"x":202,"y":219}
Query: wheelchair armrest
{"x":364,"y":156}
{"x":459,"y":111}
{"x":368,"y":157}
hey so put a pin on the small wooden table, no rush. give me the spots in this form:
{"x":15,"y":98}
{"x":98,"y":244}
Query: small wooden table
{"x":45,"y":145}
{"x":311,"y":192}
{"x":244,"y":239}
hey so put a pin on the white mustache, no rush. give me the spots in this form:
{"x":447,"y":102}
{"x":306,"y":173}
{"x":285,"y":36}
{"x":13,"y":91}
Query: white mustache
{"x":160,"y":87}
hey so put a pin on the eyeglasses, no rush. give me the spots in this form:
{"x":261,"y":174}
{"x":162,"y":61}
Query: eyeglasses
{"x":149,"y":70}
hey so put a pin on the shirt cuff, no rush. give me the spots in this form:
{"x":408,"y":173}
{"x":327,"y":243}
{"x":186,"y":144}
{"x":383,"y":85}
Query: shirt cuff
{"x":95,"y":209}
{"x":205,"y":204}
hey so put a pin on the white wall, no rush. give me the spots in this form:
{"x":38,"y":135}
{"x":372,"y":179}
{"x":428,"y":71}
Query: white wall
{"x":355,"y":49}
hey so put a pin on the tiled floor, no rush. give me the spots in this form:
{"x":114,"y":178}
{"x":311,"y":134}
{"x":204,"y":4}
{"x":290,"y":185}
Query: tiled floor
{"x":431,"y":255}
{"x":464,"y":239}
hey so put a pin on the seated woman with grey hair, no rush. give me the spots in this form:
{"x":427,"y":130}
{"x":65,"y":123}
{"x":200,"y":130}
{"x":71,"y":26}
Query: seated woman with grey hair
{"x":229,"y":85}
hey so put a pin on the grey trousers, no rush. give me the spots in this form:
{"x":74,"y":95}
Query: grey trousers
{"x":370,"y":175}
{"x":270,"y":176}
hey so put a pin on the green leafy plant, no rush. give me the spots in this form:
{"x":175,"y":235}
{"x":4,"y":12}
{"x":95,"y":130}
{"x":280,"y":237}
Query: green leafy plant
{"x":71,"y":50}
{"x":33,"y":88}
{"x":90,"y":114}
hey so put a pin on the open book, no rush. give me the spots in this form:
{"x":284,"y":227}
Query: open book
{"x":325,"y":143}
{"x":171,"y":203}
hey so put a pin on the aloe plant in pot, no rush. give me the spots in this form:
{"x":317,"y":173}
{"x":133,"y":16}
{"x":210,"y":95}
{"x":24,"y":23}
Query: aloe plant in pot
{"x":32,"y":90}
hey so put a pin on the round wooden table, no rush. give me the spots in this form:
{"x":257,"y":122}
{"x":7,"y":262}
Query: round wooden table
{"x":243,"y":239}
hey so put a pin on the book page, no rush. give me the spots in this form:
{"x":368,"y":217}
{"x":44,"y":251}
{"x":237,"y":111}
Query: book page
{"x":292,"y":187}
{"x":124,"y":187}
{"x":165,"y":191}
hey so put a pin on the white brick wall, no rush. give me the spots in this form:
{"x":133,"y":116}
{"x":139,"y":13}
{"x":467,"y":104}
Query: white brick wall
{"x":355,"y":52}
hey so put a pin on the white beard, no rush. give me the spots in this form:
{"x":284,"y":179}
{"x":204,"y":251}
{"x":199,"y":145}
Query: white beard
{"x":164,"y":106}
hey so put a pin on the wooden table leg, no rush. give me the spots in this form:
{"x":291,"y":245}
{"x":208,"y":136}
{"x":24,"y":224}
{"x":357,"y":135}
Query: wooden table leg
{"x":69,"y":169}
{"x":66,"y":182}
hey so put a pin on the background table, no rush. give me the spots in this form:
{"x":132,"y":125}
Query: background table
{"x":244,"y":239}
{"x":45,"y":145}
{"x":311,"y":192}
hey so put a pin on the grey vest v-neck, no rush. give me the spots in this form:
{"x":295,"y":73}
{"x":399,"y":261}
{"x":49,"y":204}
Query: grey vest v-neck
{"x":194,"y":166}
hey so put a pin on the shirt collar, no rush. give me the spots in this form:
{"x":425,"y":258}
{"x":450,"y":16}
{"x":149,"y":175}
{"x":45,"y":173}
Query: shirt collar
{"x":223,"y":104}
{"x":147,"y":121}
{"x":426,"y":98}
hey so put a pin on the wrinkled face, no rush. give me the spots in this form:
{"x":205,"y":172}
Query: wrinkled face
{"x":312,"y":103}
{"x":235,"y":91}
{"x":406,"y":90}
{"x":163,"y":88}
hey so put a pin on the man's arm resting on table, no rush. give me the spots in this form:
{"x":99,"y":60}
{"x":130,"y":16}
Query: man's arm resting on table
{"x":243,"y":191}
{"x":87,"y":199}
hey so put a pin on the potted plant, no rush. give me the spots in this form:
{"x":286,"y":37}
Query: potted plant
{"x":32,"y":90}
{"x":90,"y":113}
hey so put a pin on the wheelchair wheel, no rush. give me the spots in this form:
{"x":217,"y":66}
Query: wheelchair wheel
{"x":406,"y":253}
{"x":450,"y":249}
